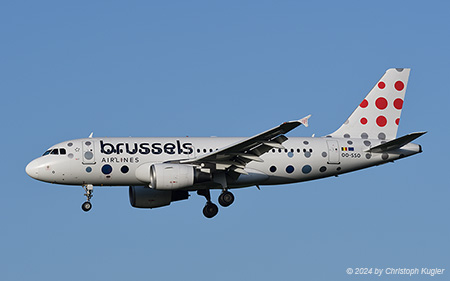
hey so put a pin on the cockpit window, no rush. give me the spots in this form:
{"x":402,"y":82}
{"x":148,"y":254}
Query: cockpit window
{"x":55,"y":151}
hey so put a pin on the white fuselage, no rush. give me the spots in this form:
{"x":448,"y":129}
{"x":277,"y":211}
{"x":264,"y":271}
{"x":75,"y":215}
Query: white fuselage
{"x":113,"y":161}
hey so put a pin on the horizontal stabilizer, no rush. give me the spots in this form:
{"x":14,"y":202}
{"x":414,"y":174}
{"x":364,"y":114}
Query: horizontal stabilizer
{"x":397,"y":143}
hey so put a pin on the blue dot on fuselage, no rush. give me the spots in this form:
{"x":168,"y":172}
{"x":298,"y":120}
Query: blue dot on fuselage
{"x":306,"y":169}
{"x":106,"y":169}
{"x":124,"y":169}
{"x":289,"y":169}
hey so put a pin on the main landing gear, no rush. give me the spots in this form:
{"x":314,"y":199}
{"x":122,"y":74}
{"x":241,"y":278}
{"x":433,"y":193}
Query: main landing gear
{"x":89,"y":189}
{"x":210,"y":210}
{"x":226,"y":199}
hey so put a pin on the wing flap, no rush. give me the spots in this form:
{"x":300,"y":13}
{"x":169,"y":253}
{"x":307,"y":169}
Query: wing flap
{"x":249,"y":156}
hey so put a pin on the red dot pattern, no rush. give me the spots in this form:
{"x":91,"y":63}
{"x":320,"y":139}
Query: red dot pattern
{"x":381,"y":121}
{"x":381,"y":103}
{"x":399,"y":85}
{"x":364,"y":104}
{"x":398,"y":103}
{"x":386,"y":102}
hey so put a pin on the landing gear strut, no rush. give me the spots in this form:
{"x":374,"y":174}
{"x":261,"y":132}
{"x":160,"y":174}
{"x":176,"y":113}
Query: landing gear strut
{"x":226,"y":199}
{"x":89,"y":189}
{"x":210,"y":209}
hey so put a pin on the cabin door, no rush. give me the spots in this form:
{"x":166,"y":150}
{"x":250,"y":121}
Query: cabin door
{"x":333,"y":152}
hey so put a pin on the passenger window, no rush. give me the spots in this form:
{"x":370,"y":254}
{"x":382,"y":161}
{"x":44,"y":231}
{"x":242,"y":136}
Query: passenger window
{"x":62,"y":151}
{"x":54,"y":151}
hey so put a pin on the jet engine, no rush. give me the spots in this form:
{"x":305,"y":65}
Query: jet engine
{"x":170,"y":176}
{"x":144,"y":197}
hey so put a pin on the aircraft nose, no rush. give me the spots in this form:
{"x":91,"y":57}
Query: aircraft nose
{"x":32,"y":169}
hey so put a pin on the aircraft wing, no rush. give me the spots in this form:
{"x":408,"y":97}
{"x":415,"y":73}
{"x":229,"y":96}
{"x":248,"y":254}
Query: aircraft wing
{"x":237,"y":155}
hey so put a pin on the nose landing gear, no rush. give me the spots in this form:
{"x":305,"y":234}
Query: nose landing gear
{"x":86,"y":206}
{"x":89,"y":189}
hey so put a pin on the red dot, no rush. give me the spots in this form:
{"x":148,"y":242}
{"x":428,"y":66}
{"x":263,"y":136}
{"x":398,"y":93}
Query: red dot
{"x":399,"y":85}
{"x":381,"y":103}
{"x":381,"y":85}
{"x":364,"y":104}
{"x":397,"y":121}
{"x":398,"y":103}
{"x":363,"y":121}
{"x":381,"y":121}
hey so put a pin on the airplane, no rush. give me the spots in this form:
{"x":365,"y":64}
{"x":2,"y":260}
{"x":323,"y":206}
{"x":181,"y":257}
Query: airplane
{"x":162,"y":170}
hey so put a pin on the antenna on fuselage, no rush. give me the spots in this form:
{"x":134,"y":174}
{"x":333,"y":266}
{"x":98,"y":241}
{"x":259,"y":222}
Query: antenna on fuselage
{"x":91,"y":135}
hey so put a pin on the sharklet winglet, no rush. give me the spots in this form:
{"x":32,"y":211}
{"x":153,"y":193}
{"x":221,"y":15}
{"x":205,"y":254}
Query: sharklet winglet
{"x":304,"y":120}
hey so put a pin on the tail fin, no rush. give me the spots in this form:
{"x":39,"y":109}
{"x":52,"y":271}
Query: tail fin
{"x":378,"y":115}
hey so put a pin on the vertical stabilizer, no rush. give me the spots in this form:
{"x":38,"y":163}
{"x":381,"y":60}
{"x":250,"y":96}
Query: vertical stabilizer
{"x":378,"y":115}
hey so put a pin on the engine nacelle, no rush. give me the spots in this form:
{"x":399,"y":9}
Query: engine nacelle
{"x":170,"y":176}
{"x":144,"y":197}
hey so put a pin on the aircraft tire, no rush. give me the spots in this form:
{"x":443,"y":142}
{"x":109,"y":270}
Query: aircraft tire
{"x":86,"y":206}
{"x":226,"y":199}
{"x":210,"y":210}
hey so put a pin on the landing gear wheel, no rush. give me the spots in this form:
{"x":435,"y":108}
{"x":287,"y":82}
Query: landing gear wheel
{"x":86,"y":206}
{"x":210,"y":210}
{"x":226,"y":199}
{"x":89,"y":189}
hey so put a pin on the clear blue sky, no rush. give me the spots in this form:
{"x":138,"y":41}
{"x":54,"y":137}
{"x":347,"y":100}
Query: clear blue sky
{"x":220,"y":68}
